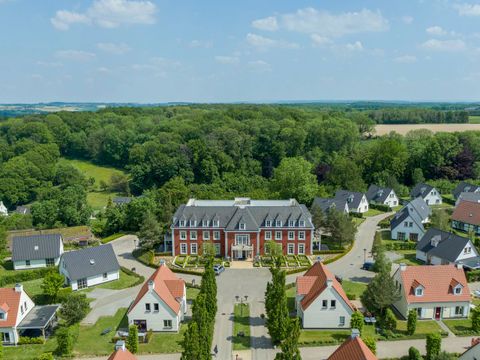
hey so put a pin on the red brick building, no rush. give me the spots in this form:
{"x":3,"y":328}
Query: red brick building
{"x":239,"y":228}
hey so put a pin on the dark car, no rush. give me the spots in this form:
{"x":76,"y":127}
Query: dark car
{"x":218,"y":269}
{"x":368,"y":265}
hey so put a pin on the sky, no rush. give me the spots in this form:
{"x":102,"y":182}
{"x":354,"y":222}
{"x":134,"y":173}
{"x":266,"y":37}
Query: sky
{"x":153,"y":51}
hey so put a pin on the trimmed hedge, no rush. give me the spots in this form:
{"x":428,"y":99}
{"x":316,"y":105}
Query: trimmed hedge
{"x":448,"y":201}
{"x":112,"y":237}
{"x":381,"y":207}
{"x":297,"y":270}
{"x":357,"y":215}
{"x":21,"y":276}
{"x":140,"y":278}
{"x":185,"y":271}
{"x":325,"y":252}
{"x":473,"y":275}
{"x":339,"y":256}
{"x":400,"y":245}
{"x":146,"y":257}
{"x":25,"y":340}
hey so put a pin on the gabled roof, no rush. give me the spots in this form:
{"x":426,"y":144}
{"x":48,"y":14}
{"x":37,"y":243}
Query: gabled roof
{"x":449,"y":246}
{"x":353,"y":349}
{"x":120,"y":200}
{"x":378,"y":194}
{"x":404,"y":214}
{"x":326,"y":204}
{"x":469,"y":196}
{"x":467,"y":212}
{"x":314,"y":282}
{"x":464,"y":187}
{"x":421,"y":190}
{"x":10,"y":300}
{"x":36,"y":247}
{"x":90,"y":262}
{"x":22,"y":210}
{"x":122,"y":354}
{"x":436,"y":281}
{"x":420,"y":207}
{"x":166,"y":285}
{"x":353,"y":198}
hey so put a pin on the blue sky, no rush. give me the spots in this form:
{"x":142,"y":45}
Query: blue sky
{"x":249,"y":50}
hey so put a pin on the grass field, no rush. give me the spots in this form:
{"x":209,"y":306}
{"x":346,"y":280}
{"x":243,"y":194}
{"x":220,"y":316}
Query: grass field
{"x":402,"y":129}
{"x":124,"y":282}
{"x":354,"y":288}
{"x":474,"y":119}
{"x":460,"y":327}
{"x":409,"y":257}
{"x":241,"y":323}
{"x":96,"y":197}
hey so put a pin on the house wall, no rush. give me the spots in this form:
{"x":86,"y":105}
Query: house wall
{"x":362,"y":207}
{"x":92,"y":280}
{"x":392,"y":200}
{"x":34,"y":264}
{"x":155,"y":318}
{"x":317,"y":317}
{"x":467,"y":255}
{"x":420,"y":255}
{"x":415,"y":229}
{"x":22,"y":312}
{"x":433,"y":197}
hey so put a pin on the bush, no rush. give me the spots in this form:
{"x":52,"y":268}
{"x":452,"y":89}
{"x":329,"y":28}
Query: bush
{"x":132,"y":339}
{"x":357,"y":215}
{"x":45,"y":356}
{"x":476,"y":319}
{"x":356,"y":321}
{"x":21,"y":276}
{"x":433,"y":345}
{"x":74,"y":308}
{"x":380,"y":207}
{"x":473,"y":275}
{"x":371,"y":344}
{"x":411,"y":322}
{"x":390,"y":321}
{"x":65,"y":341}
{"x":400,"y":245}
{"x":25,"y":340}
{"x":414,"y":354}
{"x":149,"y":336}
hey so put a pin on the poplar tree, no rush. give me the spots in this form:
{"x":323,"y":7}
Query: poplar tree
{"x":289,"y":346}
{"x":276,"y":306}
{"x":132,"y":339}
{"x":191,"y":343}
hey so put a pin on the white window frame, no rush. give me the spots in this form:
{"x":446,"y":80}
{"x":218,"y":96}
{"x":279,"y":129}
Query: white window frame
{"x":193,"y":246}
{"x":341,"y":321}
{"x":419,"y":291}
{"x":193,"y":223}
{"x":242,"y":239}
{"x":301,"y":223}
{"x":206,"y":237}
{"x":278,"y":235}
{"x":183,"y":235}
{"x":193,"y":235}
{"x":301,"y":249}
{"x":457,"y":290}
{"x":291,"y":249}
{"x":166,"y":324}
{"x":291,"y":235}
{"x":183,"y":249}
{"x":216,"y":223}
{"x":182,"y":223}
{"x":301,"y":235}
{"x":278,"y":223}
{"x":242,"y":226}
{"x":333,"y":304}
{"x":291,"y":223}
{"x":216,"y":235}
{"x":205,"y":223}
{"x":268,"y":235}
{"x":268,"y":223}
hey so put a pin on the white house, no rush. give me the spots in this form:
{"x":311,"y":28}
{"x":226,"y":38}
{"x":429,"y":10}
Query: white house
{"x":357,"y":202}
{"x":320,"y":300}
{"x":382,"y":195}
{"x":435,"y":292}
{"x":439,"y":247}
{"x":89,"y":267}
{"x":3,"y":209}
{"x":408,"y":223}
{"x":161,"y":303}
{"x":35,"y":251}
{"x":428,"y":193}
{"x":18,"y":314}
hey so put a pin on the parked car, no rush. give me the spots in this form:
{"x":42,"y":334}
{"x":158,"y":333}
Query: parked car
{"x":218,"y":269}
{"x":368,"y":265}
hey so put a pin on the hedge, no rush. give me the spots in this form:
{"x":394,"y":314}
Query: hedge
{"x":381,"y":207}
{"x":140,"y":278}
{"x":357,"y":215}
{"x":185,"y":271}
{"x":400,"y":245}
{"x":339,"y":256}
{"x":21,"y":276}
{"x":325,"y":252}
{"x":297,"y":270}
{"x":25,"y":340}
{"x":112,"y":237}
{"x":473,"y":275}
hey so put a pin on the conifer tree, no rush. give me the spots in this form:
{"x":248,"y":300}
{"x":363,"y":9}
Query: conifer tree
{"x":132,"y":339}
{"x":204,"y":323}
{"x":191,"y":343}
{"x":276,"y":306}
{"x":289,"y":346}
{"x":381,"y":292}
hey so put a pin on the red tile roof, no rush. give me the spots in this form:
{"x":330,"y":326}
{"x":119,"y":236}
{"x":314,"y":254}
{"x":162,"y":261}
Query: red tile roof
{"x":437,"y":281}
{"x":314,"y":282}
{"x":121,"y":354}
{"x":166,"y":285}
{"x":353,"y":349}
{"x":10,"y":302}
{"x":467,"y":212}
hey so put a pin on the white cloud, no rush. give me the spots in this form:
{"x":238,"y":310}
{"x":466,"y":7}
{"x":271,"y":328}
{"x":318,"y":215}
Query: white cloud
{"x":321,"y":22}
{"x":75,"y":55}
{"x":356,"y":46}
{"x":200,"y":44}
{"x":158,"y":66}
{"x":113,"y":48}
{"x":406,"y":59}
{"x":108,"y":14}
{"x":259,"y":66}
{"x":444,"y":45}
{"x":436,"y":31}
{"x":230,"y":60}
{"x":103,"y":70}
{"x":264,"y":43}
{"x":319,"y":40}
{"x":268,"y":24}
{"x":407,"y":19}
{"x":466,"y":9}
{"x":50,"y":64}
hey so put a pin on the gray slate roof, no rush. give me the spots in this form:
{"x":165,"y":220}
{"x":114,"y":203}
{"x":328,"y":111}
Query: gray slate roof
{"x":39,"y":317}
{"x":22,"y":210}
{"x":378,"y":194}
{"x":120,"y":200}
{"x":352,"y":198}
{"x":417,"y":210}
{"x":421,"y":190}
{"x":36,"y":247}
{"x":449,"y":245}
{"x":90,"y":262}
{"x":325,"y":204}
{"x":464,"y":187}
{"x":420,"y":207}
{"x":469,"y":196}
{"x":253,"y":217}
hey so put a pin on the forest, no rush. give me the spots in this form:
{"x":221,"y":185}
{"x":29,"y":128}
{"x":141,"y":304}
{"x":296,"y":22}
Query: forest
{"x":171,"y":153}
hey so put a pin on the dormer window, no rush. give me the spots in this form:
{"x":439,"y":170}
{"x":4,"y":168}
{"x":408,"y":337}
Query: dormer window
{"x":268,"y":223}
{"x":193,"y":223}
{"x":278,"y":223}
{"x":242,"y":226}
{"x":291,"y":223}
{"x":2,"y":316}
{"x":302,"y":223}
{"x":457,"y":290}
{"x":182,"y":223}
{"x":419,"y":291}
{"x":215,"y":223}
{"x":204,"y":223}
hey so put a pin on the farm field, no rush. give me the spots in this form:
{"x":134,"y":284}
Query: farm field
{"x":402,"y":129}
{"x":474,"y":119}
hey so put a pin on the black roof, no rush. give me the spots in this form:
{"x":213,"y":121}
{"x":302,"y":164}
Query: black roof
{"x":90,"y":262}
{"x":449,"y":246}
{"x":464,"y":187}
{"x":39,"y":317}
{"x":326,"y":204}
{"x":119,"y":200}
{"x":378,"y":194}
{"x":36,"y":247}
{"x":421,"y":190}
{"x":353,"y":198}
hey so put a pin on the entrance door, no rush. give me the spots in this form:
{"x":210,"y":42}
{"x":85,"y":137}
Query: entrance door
{"x":438,"y":311}
{"x":239,"y":254}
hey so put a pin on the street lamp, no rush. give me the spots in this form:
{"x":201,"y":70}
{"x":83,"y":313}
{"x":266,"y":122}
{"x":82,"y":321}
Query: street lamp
{"x":364,"y":255}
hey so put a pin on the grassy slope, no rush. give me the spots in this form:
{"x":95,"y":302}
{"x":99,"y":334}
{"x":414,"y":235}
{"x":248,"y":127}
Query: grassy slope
{"x":96,"y":198}
{"x":474,"y":119}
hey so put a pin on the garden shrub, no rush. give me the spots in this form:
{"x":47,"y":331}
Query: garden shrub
{"x":433,"y":345}
{"x":414,"y":354}
{"x":25,"y":340}
{"x":411,"y":322}
{"x":381,"y":207}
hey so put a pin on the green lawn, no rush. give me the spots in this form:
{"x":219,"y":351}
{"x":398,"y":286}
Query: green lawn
{"x":90,"y":342}
{"x":353,"y":289}
{"x":192,"y":293}
{"x":474,"y":119}
{"x":409,"y":257}
{"x":241,"y":323}
{"x":460,"y":327}
{"x":373,"y":212}
{"x":29,"y":352}
{"x":125,"y":281}
{"x":99,"y":199}
{"x":112,"y":237}
{"x":358,"y":221}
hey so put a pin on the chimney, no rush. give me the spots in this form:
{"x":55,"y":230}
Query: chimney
{"x":151,"y":285}
{"x":355,"y":333}
{"x":459,"y":265}
{"x":329,"y":283}
{"x":18,"y":287}
{"x":120,"y":345}
{"x":403,"y":267}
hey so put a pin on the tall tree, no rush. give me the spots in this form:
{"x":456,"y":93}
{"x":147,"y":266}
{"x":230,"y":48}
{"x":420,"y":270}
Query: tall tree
{"x":289,"y":346}
{"x":440,"y":219}
{"x":381,"y":293}
{"x":150,"y":231}
{"x":276,"y":306}
{"x":52,"y":283}
{"x":341,"y":227}
{"x":191,"y":343}
{"x":132,"y":339}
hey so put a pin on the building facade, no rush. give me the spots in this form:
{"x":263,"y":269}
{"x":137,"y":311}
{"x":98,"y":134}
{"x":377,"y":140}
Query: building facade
{"x":241,"y":228}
